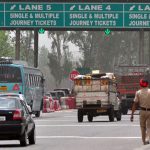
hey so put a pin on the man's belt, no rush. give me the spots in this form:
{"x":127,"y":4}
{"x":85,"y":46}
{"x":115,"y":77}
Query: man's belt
{"x":146,"y":109}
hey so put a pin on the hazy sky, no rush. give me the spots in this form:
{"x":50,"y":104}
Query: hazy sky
{"x":45,"y":41}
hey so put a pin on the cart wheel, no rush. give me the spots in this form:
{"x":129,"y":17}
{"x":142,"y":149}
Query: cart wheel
{"x":90,"y":117}
{"x":80,"y":115}
{"x":111,"y":114}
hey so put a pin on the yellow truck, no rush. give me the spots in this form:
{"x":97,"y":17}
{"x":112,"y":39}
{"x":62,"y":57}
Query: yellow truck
{"x":96,"y":95}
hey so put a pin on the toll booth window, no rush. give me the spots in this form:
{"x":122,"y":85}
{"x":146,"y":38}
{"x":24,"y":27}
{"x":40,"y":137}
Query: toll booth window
{"x":10,"y":74}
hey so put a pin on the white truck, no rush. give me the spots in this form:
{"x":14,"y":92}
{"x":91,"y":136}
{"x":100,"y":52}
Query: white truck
{"x":96,"y":95}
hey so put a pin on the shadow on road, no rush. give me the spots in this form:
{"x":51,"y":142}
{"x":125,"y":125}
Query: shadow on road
{"x":9,"y":145}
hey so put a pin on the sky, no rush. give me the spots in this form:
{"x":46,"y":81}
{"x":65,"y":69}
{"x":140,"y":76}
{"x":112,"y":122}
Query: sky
{"x":45,"y":41}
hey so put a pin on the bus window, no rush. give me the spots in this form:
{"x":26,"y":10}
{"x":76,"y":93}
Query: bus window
{"x":10,"y":74}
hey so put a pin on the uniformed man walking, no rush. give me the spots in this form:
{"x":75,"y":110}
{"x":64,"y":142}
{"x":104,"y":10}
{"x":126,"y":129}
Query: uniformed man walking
{"x":142,"y":99}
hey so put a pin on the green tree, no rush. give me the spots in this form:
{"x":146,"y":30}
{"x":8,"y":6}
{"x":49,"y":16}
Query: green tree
{"x":67,"y":64}
{"x":6,"y":46}
{"x":101,"y":51}
{"x":26,"y":47}
{"x":59,"y":62}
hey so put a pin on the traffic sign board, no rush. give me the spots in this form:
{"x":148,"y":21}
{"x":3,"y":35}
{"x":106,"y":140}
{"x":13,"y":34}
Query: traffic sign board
{"x":73,"y":74}
{"x":75,"y":15}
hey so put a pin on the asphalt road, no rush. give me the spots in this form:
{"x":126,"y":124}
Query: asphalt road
{"x":61,"y":131}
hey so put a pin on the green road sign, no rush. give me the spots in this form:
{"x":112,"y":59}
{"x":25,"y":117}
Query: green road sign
{"x":74,"y":15}
{"x":41,"y":31}
{"x":107,"y":32}
{"x":137,"y":15}
{"x":83,"y":70}
{"x":2,"y":14}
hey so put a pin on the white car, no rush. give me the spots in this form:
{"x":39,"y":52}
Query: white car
{"x":21,"y":96}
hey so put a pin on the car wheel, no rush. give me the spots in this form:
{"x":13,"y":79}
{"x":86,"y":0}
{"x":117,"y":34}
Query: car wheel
{"x":23,"y":140}
{"x":32,"y":138}
{"x":37,"y":114}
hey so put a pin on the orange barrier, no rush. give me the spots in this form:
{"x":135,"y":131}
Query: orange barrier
{"x":63,"y":103}
{"x":68,"y":102}
{"x":48,"y":105}
{"x":56,"y":105}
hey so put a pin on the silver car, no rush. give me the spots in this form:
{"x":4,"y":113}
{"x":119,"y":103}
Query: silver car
{"x":21,"y":96}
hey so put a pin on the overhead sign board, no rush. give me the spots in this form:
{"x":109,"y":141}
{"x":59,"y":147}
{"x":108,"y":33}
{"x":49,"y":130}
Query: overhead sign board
{"x":137,"y":15}
{"x":74,"y":15}
{"x":33,"y":15}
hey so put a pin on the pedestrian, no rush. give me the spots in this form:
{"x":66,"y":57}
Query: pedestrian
{"x":142,"y":99}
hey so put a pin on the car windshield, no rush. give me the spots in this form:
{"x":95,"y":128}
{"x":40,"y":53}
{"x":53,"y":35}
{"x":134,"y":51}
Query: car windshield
{"x":8,"y":103}
{"x":9,"y":95}
{"x":13,"y":95}
{"x":61,"y":94}
{"x":54,"y":95}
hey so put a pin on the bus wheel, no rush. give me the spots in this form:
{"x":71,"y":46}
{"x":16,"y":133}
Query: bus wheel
{"x":37,"y":114}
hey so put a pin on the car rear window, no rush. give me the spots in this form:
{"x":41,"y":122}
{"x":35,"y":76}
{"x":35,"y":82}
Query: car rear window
{"x":9,"y":95}
{"x":9,"y":103}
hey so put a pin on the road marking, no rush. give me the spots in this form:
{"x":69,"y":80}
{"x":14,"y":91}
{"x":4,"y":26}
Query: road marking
{"x":85,"y":137}
{"x":90,"y":125}
{"x":51,"y":120}
{"x":70,"y":116}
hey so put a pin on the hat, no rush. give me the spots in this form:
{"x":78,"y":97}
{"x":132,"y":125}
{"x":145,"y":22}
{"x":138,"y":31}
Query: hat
{"x":143,"y":83}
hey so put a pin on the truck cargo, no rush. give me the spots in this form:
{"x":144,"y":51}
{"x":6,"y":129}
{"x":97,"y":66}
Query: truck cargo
{"x":127,"y":78}
{"x":96,"y":95}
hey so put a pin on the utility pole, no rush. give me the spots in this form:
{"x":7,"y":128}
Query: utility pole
{"x":141,"y":46}
{"x":36,"y":48}
{"x":149,"y":48}
{"x":17,"y":50}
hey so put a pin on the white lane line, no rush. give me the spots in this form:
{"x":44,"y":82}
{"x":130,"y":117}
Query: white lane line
{"x":51,"y":120}
{"x":44,"y":120}
{"x":90,"y":125}
{"x":85,"y":137}
{"x":70,"y":116}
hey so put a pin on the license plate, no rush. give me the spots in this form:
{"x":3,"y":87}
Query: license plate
{"x":3,"y":88}
{"x":101,"y":110}
{"x":2,"y":118}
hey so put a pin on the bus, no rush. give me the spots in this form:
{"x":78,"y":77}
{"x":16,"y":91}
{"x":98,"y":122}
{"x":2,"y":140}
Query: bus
{"x":18,"y":78}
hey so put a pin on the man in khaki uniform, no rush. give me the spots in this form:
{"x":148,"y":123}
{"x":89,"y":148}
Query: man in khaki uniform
{"x":142,"y":98}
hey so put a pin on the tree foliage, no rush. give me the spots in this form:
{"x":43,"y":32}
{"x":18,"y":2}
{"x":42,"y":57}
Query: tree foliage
{"x":6,"y":47}
{"x":26,"y":47}
{"x":103,"y":52}
{"x":59,"y":57}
